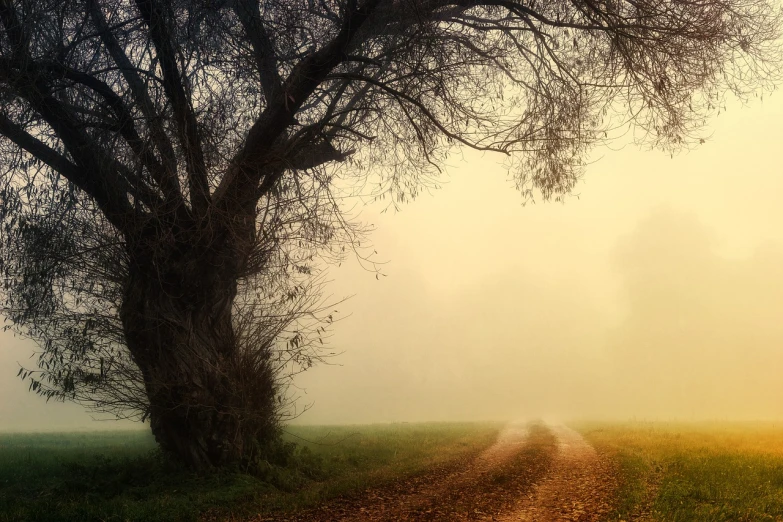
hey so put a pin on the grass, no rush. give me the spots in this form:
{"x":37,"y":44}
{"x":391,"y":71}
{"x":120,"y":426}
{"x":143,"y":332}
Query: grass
{"x":119,"y":476}
{"x":355,"y":458}
{"x":695,"y":472}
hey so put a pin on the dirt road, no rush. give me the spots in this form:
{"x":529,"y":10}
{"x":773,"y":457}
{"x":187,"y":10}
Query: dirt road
{"x":579,"y":486}
{"x":530,"y":474}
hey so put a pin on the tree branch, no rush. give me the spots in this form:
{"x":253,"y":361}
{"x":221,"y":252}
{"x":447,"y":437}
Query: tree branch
{"x":238,"y":187}
{"x":140,"y":94}
{"x":16,"y":34}
{"x":168,"y":184}
{"x":105,"y":185}
{"x":116,"y":209}
{"x":264,"y":53}
{"x":401,"y":96}
{"x":187,"y":126}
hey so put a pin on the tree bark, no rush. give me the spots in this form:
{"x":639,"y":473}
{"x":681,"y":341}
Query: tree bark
{"x":211,"y":402}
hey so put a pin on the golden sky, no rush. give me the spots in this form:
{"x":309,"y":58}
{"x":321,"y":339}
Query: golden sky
{"x":656,"y":293}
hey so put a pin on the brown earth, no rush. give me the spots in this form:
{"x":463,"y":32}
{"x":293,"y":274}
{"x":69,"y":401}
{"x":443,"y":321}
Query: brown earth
{"x":531,"y":473}
{"x":580,"y":485}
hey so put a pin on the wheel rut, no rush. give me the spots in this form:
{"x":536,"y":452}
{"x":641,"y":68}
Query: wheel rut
{"x":532,"y":473}
{"x":580,"y":485}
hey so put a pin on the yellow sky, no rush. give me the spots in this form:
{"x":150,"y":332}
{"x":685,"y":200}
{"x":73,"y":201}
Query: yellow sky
{"x":653,"y":294}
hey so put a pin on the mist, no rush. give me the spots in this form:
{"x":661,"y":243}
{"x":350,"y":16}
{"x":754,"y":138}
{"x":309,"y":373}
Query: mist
{"x":653,"y":292}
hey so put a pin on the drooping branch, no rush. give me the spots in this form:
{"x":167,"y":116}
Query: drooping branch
{"x":402,"y":97}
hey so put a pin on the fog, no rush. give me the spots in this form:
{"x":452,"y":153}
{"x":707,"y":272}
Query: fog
{"x":654,"y":292}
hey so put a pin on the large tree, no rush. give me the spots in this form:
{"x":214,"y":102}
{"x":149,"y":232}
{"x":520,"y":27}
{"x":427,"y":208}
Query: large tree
{"x":170,"y":168}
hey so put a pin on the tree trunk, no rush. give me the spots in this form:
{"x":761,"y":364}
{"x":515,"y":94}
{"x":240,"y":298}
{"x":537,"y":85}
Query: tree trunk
{"x":211,"y":403}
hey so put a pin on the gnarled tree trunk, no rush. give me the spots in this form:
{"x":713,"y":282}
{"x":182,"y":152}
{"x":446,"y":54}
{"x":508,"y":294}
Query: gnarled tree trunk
{"x":210,"y":403}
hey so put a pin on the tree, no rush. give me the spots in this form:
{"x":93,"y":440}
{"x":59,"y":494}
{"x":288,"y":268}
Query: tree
{"x":172,"y":169}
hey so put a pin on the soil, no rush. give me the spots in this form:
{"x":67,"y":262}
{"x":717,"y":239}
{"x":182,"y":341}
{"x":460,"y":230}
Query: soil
{"x":529,"y":474}
{"x":580,"y":486}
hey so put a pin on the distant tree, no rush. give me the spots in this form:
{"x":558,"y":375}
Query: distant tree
{"x":700,"y":332}
{"x":170,"y":170}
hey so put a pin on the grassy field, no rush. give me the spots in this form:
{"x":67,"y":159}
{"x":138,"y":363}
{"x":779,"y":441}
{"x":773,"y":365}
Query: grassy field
{"x":695,"y":472}
{"x":118,"y":476}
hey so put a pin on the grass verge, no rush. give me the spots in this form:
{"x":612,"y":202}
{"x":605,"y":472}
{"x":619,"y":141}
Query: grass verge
{"x":694,"y":471}
{"x":119,"y":476}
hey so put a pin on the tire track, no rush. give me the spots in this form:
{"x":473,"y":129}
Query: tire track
{"x":580,"y":485}
{"x":471,"y":490}
{"x":532,"y":473}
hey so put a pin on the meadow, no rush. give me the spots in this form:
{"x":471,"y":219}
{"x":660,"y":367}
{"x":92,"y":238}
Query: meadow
{"x":668,"y":471}
{"x":706,"y":472}
{"x":120,"y":476}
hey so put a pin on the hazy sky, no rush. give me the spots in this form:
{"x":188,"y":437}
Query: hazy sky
{"x":655,"y":293}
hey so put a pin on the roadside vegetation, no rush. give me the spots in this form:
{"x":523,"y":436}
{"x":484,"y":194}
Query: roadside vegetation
{"x":120,"y":476}
{"x":708,"y":472}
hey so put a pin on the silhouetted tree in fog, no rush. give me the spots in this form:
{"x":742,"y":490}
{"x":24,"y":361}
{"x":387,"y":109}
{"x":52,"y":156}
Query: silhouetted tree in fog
{"x":700,"y":334}
{"x":169,"y":169}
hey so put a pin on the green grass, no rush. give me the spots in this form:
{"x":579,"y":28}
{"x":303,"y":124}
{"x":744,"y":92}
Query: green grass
{"x":357,"y":457}
{"x":695,"y":472}
{"x":119,"y":476}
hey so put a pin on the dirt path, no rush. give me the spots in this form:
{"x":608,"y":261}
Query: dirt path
{"x":531,"y":474}
{"x":579,"y":486}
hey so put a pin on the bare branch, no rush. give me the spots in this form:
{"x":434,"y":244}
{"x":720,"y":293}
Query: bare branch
{"x":249,"y":15}
{"x":160,"y":33}
{"x":143,"y":99}
{"x":247,"y":166}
